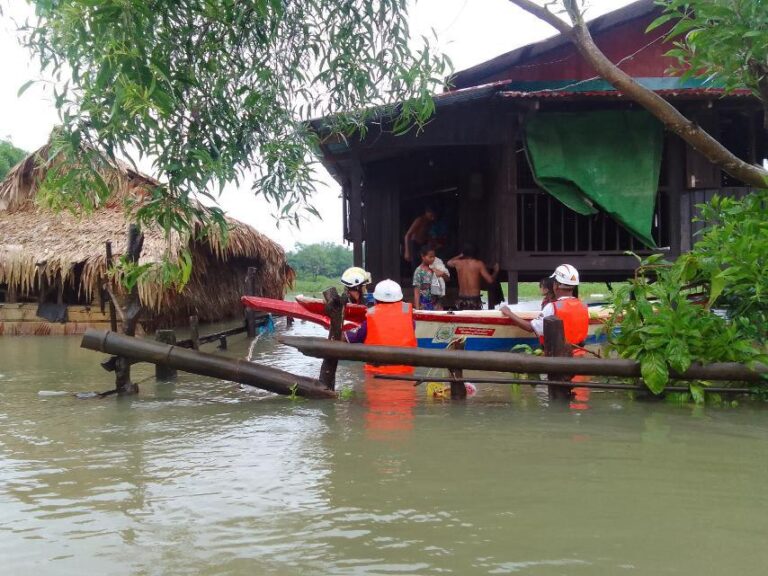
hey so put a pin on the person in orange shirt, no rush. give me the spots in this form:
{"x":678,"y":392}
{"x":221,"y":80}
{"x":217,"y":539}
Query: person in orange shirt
{"x":389,"y":323}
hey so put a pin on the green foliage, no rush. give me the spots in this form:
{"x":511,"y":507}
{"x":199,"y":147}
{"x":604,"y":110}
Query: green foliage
{"x":324,"y":259}
{"x":208,"y":89}
{"x":170,"y":272}
{"x":664,"y":329}
{"x":9,"y":157}
{"x":294,"y":396}
{"x":732,"y":253}
{"x":725,"y":40}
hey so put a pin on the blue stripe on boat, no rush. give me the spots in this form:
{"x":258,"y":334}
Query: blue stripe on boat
{"x":496,"y":344}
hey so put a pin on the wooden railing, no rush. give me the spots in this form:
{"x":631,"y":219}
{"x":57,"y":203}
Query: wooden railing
{"x":545,"y":225}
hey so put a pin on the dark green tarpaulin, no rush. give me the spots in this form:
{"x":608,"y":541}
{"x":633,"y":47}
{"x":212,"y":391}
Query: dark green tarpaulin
{"x":608,"y":160}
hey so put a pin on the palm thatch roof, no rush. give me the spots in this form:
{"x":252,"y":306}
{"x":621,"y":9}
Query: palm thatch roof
{"x":39,"y":245}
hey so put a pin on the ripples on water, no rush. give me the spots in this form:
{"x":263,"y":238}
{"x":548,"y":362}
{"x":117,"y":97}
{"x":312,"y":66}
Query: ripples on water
{"x":206,"y":477}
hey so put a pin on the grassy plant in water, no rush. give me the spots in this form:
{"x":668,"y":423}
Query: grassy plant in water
{"x":294,"y":396}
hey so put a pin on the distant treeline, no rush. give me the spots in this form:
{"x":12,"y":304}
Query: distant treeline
{"x":324,"y":259}
{"x":9,"y":157}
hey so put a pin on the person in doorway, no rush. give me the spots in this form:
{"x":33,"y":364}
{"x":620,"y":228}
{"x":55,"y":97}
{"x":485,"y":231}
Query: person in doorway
{"x":547,"y":289}
{"x":355,"y":280}
{"x":388,"y":323}
{"x":471,"y":272}
{"x":418,"y":234}
{"x":572,"y":311}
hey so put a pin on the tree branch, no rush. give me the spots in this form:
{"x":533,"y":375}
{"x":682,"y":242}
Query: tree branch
{"x":543,"y":14}
{"x":672,"y":119}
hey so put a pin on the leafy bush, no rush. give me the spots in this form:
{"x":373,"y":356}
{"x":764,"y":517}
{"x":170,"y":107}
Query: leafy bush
{"x":9,"y":157}
{"x":664,"y":329}
{"x":732,"y":254}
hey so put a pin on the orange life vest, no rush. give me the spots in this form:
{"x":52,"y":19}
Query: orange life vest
{"x":575,"y":316}
{"x":390,"y":324}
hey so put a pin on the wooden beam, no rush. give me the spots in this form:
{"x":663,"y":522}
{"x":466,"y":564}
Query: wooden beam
{"x":216,"y":366}
{"x":675,"y":159}
{"x":511,"y":362}
{"x":356,"y":212}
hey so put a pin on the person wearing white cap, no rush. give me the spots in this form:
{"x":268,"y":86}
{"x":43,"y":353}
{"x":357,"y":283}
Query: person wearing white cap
{"x":572,"y":311}
{"x":388,"y":323}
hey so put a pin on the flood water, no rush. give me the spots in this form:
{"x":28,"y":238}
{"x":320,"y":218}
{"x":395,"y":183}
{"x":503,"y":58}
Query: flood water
{"x":204,"y":477}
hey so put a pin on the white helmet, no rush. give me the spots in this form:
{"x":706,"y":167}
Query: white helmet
{"x":567,"y":275}
{"x":388,"y":291}
{"x":354,"y":277}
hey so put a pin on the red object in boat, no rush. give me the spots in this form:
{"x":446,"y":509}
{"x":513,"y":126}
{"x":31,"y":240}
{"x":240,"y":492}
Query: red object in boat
{"x":352,"y":313}
{"x":292,"y":309}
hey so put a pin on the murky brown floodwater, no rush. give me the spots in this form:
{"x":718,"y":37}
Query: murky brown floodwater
{"x":207,"y":478}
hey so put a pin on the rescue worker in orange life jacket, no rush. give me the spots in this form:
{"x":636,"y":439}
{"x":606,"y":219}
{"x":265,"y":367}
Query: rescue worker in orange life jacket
{"x":388,"y":323}
{"x":572,"y":311}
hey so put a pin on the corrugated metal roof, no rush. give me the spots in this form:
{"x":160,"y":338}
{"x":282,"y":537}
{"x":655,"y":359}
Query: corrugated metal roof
{"x":608,"y":94}
{"x":478,"y":73}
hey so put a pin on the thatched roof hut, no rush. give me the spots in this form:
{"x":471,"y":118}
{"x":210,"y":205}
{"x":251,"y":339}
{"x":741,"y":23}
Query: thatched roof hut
{"x":40,"y":249}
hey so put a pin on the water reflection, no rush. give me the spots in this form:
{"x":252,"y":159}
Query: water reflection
{"x":390,"y":405}
{"x":209,"y":478}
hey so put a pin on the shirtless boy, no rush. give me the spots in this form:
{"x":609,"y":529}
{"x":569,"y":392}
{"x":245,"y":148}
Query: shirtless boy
{"x":471,"y":272}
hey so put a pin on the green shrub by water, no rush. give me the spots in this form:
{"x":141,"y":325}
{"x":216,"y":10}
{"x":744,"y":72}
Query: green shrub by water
{"x":664,"y":330}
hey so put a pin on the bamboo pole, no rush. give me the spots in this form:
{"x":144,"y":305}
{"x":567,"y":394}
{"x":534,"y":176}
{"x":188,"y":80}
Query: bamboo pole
{"x":512,"y":362}
{"x":235,"y":370}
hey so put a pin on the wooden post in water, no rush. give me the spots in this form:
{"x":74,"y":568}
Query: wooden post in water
{"x":13,"y":293}
{"x":334,"y":308}
{"x":163,"y":371}
{"x":112,"y":311}
{"x":556,"y":346}
{"x":458,"y":389}
{"x":194,"y":332}
{"x":250,"y":313}
{"x":130,"y":311}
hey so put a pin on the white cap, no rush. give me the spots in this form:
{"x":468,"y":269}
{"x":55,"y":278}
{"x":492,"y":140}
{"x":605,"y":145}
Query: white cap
{"x":388,"y":291}
{"x":567,"y":275}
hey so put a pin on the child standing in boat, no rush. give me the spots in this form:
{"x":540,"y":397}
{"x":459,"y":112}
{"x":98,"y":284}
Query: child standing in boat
{"x":423,"y":298}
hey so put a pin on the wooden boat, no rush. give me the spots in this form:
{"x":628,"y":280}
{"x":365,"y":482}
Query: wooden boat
{"x":482,"y":329}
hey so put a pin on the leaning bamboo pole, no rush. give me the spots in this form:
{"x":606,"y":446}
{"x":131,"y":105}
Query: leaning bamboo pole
{"x":235,"y":370}
{"x":512,"y":362}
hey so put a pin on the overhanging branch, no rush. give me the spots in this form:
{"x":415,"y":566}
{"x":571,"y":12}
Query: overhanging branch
{"x":672,"y":119}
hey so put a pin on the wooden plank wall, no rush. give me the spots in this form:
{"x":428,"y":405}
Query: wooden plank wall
{"x":382,"y":219}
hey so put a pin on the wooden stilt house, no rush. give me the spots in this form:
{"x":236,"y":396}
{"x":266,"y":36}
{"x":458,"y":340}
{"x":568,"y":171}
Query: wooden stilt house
{"x":538,"y":161}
